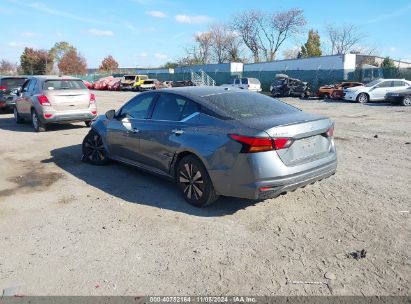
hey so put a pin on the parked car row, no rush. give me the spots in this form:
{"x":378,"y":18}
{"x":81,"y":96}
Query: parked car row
{"x":198,"y":137}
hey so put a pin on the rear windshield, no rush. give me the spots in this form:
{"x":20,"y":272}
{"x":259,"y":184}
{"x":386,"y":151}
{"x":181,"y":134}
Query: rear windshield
{"x":12,"y":82}
{"x":253,"y":81}
{"x":149,"y":82}
{"x":64,"y":84}
{"x":129,"y":77}
{"x":245,"y":105}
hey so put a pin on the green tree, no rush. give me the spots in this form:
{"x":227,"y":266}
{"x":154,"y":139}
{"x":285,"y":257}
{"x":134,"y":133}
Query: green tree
{"x":36,"y":62}
{"x":312,"y":47}
{"x":388,"y":63}
{"x":170,"y":65}
{"x":59,"y":50}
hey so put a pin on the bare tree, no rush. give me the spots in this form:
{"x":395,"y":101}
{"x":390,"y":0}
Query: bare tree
{"x":247,"y":25}
{"x":225,"y":43}
{"x":291,"y":53}
{"x":203,"y":49}
{"x":7,"y":68}
{"x":343,"y":39}
{"x":265,"y":33}
{"x":278,"y":27}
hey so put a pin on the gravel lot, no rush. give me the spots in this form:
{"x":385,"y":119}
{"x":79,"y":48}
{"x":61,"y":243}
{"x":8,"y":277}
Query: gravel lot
{"x":68,"y":228}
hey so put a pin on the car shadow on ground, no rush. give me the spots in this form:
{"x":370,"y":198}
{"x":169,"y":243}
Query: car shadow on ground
{"x":10,"y":125}
{"x":136,"y":186}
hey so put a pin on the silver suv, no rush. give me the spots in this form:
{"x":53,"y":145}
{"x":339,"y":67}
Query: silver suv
{"x":54,"y":99}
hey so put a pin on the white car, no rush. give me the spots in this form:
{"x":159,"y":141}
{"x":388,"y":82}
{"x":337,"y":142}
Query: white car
{"x":251,"y":84}
{"x":375,"y":90}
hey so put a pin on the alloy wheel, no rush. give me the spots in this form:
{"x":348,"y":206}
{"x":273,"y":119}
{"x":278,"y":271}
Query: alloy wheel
{"x":190,"y":176}
{"x":93,"y":148}
{"x":407,"y":101}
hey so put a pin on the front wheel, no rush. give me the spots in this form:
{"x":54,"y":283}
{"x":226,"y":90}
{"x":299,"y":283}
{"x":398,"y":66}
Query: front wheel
{"x":18,"y":119}
{"x":363,"y":98}
{"x":406,"y":101}
{"x":93,"y":149}
{"x":194,"y":182}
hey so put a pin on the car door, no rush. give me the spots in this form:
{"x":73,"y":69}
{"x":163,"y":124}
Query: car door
{"x":166,"y":131}
{"x":378,"y":92}
{"x":25,"y":100}
{"x":123,"y":130}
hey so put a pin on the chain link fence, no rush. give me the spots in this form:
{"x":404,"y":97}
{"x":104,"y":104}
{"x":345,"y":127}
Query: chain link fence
{"x":315,"y":78}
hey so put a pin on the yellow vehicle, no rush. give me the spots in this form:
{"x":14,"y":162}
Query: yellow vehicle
{"x":132,"y":82}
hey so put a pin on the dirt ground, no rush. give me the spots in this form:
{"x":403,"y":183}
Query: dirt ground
{"x":68,"y":228}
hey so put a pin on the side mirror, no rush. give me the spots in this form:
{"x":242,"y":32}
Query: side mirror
{"x":110,"y":114}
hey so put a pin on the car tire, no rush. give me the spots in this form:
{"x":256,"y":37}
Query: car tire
{"x":38,"y":125}
{"x":363,"y":98}
{"x":93,"y":149}
{"x":406,"y":101}
{"x":88,"y":123}
{"x":17,"y":116}
{"x":194,"y":182}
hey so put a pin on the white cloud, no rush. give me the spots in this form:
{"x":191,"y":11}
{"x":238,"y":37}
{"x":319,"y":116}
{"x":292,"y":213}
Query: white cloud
{"x":14,"y":44}
{"x":101,"y":33}
{"x":142,"y":54}
{"x":157,"y":14}
{"x":160,"y":56}
{"x":29,"y":34}
{"x":199,"y":19}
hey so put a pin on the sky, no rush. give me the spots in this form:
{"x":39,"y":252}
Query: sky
{"x":148,"y":33}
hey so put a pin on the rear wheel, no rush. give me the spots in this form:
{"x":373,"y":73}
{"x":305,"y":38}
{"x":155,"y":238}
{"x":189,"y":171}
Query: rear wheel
{"x":17,"y":116}
{"x":194,"y":182}
{"x":93,"y":149}
{"x":406,"y":101}
{"x":37,"y":124}
{"x":363,"y":98}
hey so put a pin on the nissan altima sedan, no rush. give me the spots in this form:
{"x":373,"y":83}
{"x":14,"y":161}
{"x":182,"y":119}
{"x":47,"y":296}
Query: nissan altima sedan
{"x":216,"y":141}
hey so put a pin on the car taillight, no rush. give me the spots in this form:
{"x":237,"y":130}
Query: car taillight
{"x":261,"y":144}
{"x":43,"y":100}
{"x":330,"y":132}
{"x":3,"y":88}
{"x":92,"y":98}
{"x":94,"y":112}
{"x":47,"y":115}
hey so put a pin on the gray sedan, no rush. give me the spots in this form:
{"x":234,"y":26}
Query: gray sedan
{"x":216,"y":141}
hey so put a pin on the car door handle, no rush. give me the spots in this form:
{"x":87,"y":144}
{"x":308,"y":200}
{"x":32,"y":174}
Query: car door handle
{"x":132,"y":131}
{"x":178,"y":132}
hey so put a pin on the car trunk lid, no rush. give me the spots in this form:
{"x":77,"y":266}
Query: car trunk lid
{"x":66,"y":100}
{"x":308,"y":132}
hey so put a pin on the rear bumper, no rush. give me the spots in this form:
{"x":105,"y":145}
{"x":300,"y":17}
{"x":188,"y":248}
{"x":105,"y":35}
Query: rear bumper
{"x":276,"y":187}
{"x":394,"y":99}
{"x":68,"y":117}
{"x":273,"y":186}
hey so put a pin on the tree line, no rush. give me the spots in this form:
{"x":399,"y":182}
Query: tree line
{"x":62,"y":58}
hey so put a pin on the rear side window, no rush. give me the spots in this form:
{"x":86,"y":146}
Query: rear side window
{"x":399,"y":84}
{"x":32,"y":85}
{"x":64,"y":84}
{"x":129,"y":77}
{"x":254,"y":81}
{"x":244,"y":105}
{"x":244,"y":80}
{"x":172,"y":107}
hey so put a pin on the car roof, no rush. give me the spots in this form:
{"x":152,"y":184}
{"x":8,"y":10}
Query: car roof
{"x":53,"y":77}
